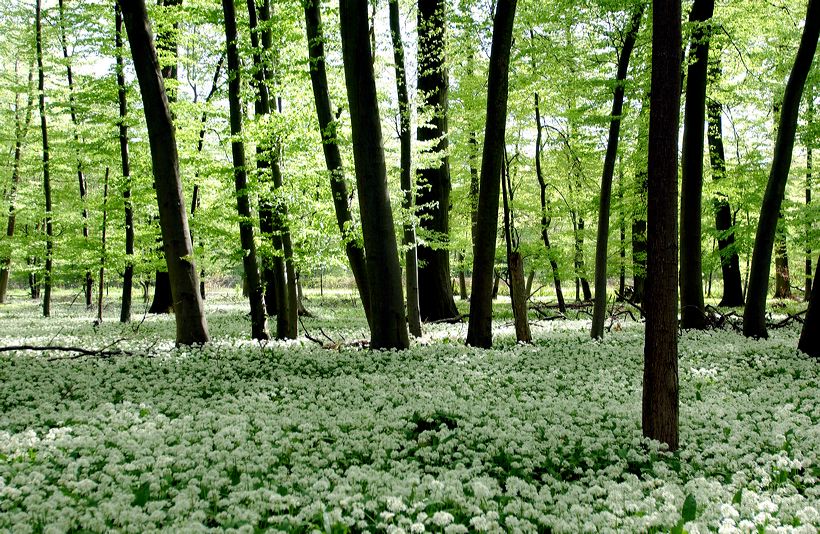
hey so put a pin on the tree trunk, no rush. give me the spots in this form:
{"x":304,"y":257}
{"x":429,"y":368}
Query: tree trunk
{"x":46,"y":165}
{"x":782,"y":280}
{"x":330,"y":147}
{"x":809,"y":340}
{"x":389,"y":328}
{"x":621,"y":232}
{"x":660,"y":377}
{"x":601,"y":245}
{"x":729,"y":261}
{"x":183,"y":276}
{"x":128,"y":273}
{"x":411,"y":271}
{"x":102,"y":255}
{"x":515,"y":263}
{"x":809,"y":169}
{"x":581,"y":282}
{"x":754,"y":314}
{"x":259,"y":324}
{"x":693,"y":313}
{"x":473,"y":193}
{"x":639,"y":217}
{"x":479,"y":331}
{"x":433,"y":191}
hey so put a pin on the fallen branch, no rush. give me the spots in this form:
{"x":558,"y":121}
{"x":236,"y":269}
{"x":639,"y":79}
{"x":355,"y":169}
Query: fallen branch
{"x":790,"y":319}
{"x":80,"y":352}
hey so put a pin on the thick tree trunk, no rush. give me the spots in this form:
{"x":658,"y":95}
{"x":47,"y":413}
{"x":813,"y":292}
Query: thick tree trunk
{"x":330,"y":147}
{"x":433,"y":191}
{"x":729,"y":260}
{"x":411,"y":272}
{"x":46,"y":165}
{"x":660,"y":377}
{"x":691,"y":256}
{"x":601,"y":245}
{"x":809,"y":340}
{"x":754,"y":314}
{"x":259,"y":324}
{"x":184,"y":279}
{"x":128,"y":273}
{"x":479,"y":331}
{"x":389,"y":328}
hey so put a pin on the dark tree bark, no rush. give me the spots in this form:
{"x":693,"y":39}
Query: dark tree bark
{"x":809,"y":169}
{"x":639,"y":215}
{"x":479,"y":331}
{"x":729,"y":260}
{"x":20,"y":130}
{"x":660,"y":377}
{"x":473,"y":193}
{"x":754,"y":314}
{"x":782,"y":280}
{"x":809,"y":340}
{"x":621,"y":233}
{"x":259,"y":324}
{"x":128,"y":273}
{"x":389,"y":328}
{"x":330,"y":147}
{"x":46,"y":165}
{"x":101,"y":277}
{"x":515,"y":262}
{"x":191,"y":325}
{"x":433,"y":191}
{"x":601,"y":245}
{"x":89,"y":282}
{"x":411,"y":272}
{"x":691,"y":258}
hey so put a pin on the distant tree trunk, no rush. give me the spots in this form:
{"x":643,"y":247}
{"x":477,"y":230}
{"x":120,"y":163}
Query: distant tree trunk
{"x":809,"y":169}
{"x":479,"y":331}
{"x":259,"y":324}
{"x":622,"y":233}
{"x":581,"y":282}
{"x":754,"y":314}
{"x":128,"y":273}
{"x":389,"y":328}
{"x":102,"y":255}
{"x":20,"y":131}
{"x":601,"y":245}
{"x":639,"y":217}
{"x":411,"y":273}
{"x":515,"y":263}
{"x":691,"y":255}
{"x":782,"y":280}
{"x":433,"y":191}
{"x":46,"y":165}
{"x":462,"y":278}
{"x":473,"y":193}
{"x":330,"y":147}
{"x":530,"y":279}
{"x":545,"y":219}
{"x":660,"y":377}
{"x":188,"y":307}
{"x":729,"y":261}
{"x":496,"y":282}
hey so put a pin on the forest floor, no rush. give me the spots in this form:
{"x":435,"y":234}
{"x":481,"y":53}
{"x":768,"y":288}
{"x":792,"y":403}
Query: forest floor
{"x":293,"y":436}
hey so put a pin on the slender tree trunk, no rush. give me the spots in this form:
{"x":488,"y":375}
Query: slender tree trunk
{"x":581,"y":282}
{"x":809,"y":169}
{"x":188,"y":307}
{"x":411,"y":271}
{"x":128,"y":274}
{"x":639,"y":217}
{"x":462,"y":277}
{"x":46,"y":165}
{"x":601,"y":245}
{"x":479,"y":331}
{"x":782,"y":280}
{"x":691,"y":256}
{"x":754,"y":314}
{"x":621,"y":232}
{"x":389,"y":327}
{"x":259,"y":324}
{"x":102,"y":242}
{"x":473,"y":193}
{"x":433,"y":191}
{"x":515,"y":264}
{"x":729,"y":260}
{"x":660,"y":378}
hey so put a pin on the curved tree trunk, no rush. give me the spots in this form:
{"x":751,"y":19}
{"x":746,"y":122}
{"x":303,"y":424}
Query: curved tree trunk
{"x":601,"y":245}
{"x":188,"y":307}
{"x":660,"y":376}
{"x":479,"y":330}
{"x":46,"y":165}
{"x":389,"y":328}
{"x":754,"y":314}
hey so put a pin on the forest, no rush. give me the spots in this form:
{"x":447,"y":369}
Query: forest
{"x":409,"y":265}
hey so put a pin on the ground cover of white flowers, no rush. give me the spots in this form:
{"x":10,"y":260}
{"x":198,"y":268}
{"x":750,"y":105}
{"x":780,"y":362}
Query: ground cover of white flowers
{"x":441,"y":438}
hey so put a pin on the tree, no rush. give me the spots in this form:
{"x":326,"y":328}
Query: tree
{"x":601,"y":255}
{"x":754,"y":313}
{"x":479,"y":331}
{"x":660,"y":377}
{"x":47,"y":275}
{"x":259,"y":325}
{"x":433,"y":191}
{"x":691,"y":275}
{"x":191,"y":325}
{"x":809,"y":341}
{"x":389,"y":328}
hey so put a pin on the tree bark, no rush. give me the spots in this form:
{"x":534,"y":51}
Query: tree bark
{"x":389,"y":328}
{"x":809,"y":170}
{"x":101,"y":278}
{"x":782,"y":280}
{"x":46,"y":164}
{"x":809,"y":340}
{"x":259,"y":324}
{"x":691,"y":256}
{"x":601,"y":245}
{"x":639,"y":216}
{"x":621,"y":233}
{"x":515,"y":263}
{"x":660,"y":378}
{"x":411,"y":270}
{"x":479,"y":331}
{"x":754,"y":314}
{"x":191,"y":325}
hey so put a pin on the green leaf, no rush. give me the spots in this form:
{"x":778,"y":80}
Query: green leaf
{"x":690,"y":508}
{"x":142,"y":494}
{"x":738,"y":496}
